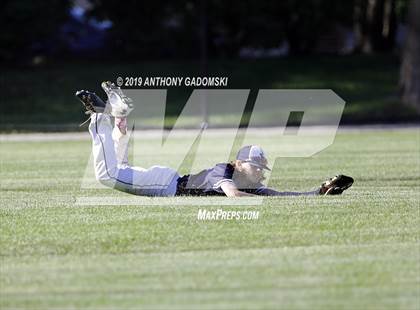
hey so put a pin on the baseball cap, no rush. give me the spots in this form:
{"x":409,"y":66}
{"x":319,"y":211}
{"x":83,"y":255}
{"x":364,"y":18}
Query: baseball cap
{"x":254,"y":155}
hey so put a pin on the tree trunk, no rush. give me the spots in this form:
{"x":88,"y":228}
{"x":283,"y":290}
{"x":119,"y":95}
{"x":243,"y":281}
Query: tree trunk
{"x":389,"y":27}
{"x":359,"y":17}
{"x":374,"y":25}
{"x":410,"y":67}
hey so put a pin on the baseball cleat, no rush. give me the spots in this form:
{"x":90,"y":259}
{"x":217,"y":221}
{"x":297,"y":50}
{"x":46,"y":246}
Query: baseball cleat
{"x":121,"y":105}
{"x":336,"y":185}
{"x":91,"y":102}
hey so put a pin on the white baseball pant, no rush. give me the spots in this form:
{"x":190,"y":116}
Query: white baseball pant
{"x":111,"y":165}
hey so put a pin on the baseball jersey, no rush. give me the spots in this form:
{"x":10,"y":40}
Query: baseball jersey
{"x":208,"y":182}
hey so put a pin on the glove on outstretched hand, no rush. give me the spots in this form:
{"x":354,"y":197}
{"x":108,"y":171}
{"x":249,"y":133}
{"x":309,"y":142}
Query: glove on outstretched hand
{"x":336,"y":185}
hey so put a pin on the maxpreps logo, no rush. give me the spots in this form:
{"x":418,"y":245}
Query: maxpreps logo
{"x":220,"y":214}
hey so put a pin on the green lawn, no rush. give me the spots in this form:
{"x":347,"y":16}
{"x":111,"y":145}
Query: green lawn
{"x":356,"y":251}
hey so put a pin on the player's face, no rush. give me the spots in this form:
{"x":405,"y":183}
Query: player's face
{"x":253,"y":173}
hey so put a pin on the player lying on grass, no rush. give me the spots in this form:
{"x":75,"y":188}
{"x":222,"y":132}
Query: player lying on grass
{"x":242,"y":177}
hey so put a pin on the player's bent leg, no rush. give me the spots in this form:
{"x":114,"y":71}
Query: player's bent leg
{"x":105,"y":163}
{"x":121,"y":141}
{"x":155,"y":181}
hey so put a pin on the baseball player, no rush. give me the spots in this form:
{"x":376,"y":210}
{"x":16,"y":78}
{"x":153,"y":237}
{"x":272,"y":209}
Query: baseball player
{"x":241,"y":177}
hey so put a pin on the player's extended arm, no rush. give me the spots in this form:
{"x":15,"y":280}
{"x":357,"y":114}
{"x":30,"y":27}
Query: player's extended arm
{"x":332,"y":186}
{"x":232,"y":191}
{"x":265,"y":191}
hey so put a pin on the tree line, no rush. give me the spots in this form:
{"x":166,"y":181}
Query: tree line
{"x":176,"y":28}
{"x":217,"y":28}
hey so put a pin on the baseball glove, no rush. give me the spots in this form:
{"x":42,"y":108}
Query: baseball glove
{"x":336,"y":185}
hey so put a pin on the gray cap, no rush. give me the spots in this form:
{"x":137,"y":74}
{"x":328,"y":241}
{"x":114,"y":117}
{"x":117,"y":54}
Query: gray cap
{"x":254,"y":155}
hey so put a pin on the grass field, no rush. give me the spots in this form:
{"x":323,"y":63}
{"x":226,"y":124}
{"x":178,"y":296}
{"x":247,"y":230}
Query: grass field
{"x":356,"y":251}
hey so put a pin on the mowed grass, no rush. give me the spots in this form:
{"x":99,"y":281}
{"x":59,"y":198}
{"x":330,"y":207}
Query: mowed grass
{"x":355,"y":251}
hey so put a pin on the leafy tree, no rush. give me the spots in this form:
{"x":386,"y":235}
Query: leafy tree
{"x":29,"y":25}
